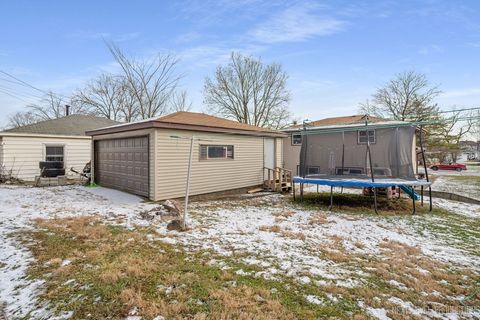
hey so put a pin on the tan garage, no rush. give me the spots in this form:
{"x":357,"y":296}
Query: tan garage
{"x":150,"y":157}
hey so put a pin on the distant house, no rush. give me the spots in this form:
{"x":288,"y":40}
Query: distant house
{"x":63,"y":139}
{"x":150,"y":157}
{"x":356,"y":139}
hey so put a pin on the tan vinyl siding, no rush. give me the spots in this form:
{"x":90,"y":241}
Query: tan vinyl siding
{"x":22,"y":154}
{"x":1,"y":152}
{"x":291,"y":155}
{"x":279,"y":152}
{"x":245,"y":170}
{"x":153,"y":164}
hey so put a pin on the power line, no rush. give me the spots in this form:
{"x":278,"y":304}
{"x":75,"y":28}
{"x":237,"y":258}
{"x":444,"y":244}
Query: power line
{"x":14,"y":96}
{"x":458,"y":110}
{"x":31,"y":86}
{"x":26,"y":95}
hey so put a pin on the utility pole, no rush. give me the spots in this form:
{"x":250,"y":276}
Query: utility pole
{"x":187,"y":186}
{"x":189,"y":173}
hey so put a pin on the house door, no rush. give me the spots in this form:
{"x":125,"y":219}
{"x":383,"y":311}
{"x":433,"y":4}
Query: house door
{"x":269,"y":153}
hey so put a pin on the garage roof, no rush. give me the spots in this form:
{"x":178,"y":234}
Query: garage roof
{"x":72,"y":125}
{"x":192,"y":121}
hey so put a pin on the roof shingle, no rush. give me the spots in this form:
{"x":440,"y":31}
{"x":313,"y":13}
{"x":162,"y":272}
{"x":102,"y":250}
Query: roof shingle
{"x":72,"y":125}
{"x":346,"y":120}
{"x":202,"y":119}
{"x":194,"y":121}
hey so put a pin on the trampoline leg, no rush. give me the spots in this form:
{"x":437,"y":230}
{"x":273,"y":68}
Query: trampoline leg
{"x":301,"y":191}
{"x":421,"y":195}
{"x":414,"y":207}
{"x":430,"y":197}
{"x":341,"y":190}
{"x":375,"y":200}
{"x":317,"y":188}
{"x":331,"y":199}
{"x":293,"y":188}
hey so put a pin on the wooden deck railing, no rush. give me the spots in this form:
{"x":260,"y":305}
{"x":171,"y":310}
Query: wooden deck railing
{"x":277,"y":179}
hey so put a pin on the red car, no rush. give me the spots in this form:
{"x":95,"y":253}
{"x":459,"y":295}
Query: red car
{"x":448,"y":166}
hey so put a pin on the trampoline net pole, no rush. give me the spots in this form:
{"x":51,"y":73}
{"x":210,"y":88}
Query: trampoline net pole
{"x":343,"y":152}
{"x":425,"y":167}
{"x":303,"y":151}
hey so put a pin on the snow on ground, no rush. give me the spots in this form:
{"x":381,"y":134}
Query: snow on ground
{"x":467,"y":188}
{"x":270,"y":233}
{"x":293,"y":248}
{"x":19,"y":205}
{"x":322,"y":188}
{"x":462,"y":208}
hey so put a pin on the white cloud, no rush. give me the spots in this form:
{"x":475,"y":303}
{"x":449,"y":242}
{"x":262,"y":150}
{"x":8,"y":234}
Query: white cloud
{"x":297,"y":23}
{"x":201,"y":56}
{"x":473,"y":44}
{"x":461,"y":93}
{"x":89,"y":35}
{"x":431,"y":49}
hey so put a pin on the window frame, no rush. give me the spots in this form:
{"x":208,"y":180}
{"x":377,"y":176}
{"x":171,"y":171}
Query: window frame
{"x":317,"y":168}
{"x":292,"y":139}
{"x":225,"y":146}
{"x":368,"y":136}
{"x":46,"y":155}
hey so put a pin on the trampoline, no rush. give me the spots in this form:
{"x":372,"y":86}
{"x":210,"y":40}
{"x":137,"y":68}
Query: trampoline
{"x":364,"y":155}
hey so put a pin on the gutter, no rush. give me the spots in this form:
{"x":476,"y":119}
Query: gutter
{"x":37,"y":135}
{"x":187,"y":127}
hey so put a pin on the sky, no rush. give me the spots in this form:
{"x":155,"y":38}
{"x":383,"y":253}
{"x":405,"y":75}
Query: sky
{"x":336,"y":53}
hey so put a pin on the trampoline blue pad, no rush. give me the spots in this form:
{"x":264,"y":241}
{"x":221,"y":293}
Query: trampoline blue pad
{"x":352,"y":182}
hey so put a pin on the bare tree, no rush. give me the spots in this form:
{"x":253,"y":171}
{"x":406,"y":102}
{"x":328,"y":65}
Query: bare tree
{"x":446,"y":136}
{"x":51,"y":106}
{"x":180,"y":101}
{"x":409,"y":96}
{"x":151,"y":82}
{"x":126,"y":101}
{"x":103,"y":96}
{"x":249,"y":91}
{"x":476,"y":126}
{"x":20,"y":119}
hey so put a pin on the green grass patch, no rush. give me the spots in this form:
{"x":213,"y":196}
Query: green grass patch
{"x":475,"y":180}
{"x":455,"y":230}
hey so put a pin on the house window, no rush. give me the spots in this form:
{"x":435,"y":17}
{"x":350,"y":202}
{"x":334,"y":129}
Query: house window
{"x":313,"y":170}
{"x":296,"y":139}
{"x":54,"y":153}
{"x":363,"y":135}
{"x":208,"y":152}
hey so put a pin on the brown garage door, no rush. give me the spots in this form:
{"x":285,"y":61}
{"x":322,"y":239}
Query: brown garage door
{"x":123,"y":164}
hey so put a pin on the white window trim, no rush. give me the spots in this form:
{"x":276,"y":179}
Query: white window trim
{"x":44,"y":155}
{"x":368,"y":137}
{"x":207,"y":158}
{"x":296,"y":144}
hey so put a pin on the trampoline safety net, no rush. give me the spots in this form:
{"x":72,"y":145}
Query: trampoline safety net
{"x":344,"y":154}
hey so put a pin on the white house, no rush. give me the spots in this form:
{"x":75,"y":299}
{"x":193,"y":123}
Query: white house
{"x":63,"y":139}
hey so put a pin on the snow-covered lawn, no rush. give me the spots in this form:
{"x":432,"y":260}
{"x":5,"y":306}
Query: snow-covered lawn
{"x":341,"y":252}
{"x":464,"y":185}
{"x":20,"y":205}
